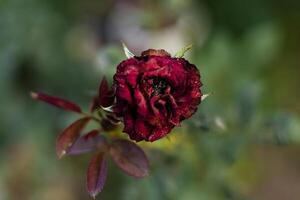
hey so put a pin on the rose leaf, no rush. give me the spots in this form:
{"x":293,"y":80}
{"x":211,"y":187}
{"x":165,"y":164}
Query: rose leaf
{"x":130,"y":158}
{"x":96,"y":174}
{"x":87,"y":143}
{"x":69,"y":135}
{"x":56,"y":101}
{"x":106,"y":94}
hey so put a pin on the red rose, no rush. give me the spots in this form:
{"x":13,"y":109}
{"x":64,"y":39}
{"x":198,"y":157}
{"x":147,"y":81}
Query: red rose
{"x":154,"y":93}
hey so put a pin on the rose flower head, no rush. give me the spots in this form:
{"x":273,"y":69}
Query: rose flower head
{"x":154,"y":93}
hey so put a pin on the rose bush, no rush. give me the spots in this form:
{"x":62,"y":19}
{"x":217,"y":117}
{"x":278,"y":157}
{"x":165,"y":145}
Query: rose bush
{"x":154,"y":93}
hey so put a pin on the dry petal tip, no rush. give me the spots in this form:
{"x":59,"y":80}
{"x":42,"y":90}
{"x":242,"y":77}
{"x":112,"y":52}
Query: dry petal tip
{"x":155,"y":52}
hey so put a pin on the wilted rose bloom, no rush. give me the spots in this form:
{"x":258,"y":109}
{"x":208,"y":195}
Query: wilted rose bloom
{"x":154,"y":93}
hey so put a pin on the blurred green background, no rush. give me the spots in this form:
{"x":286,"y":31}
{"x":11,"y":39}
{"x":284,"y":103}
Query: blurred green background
{"x":244,"y":141}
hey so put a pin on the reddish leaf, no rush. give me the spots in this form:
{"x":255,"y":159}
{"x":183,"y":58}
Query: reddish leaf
{"x":130,"y":158}
{"x":67,"y":138}
{"x":106,"y":94}
{"x":94,"y":104}
{"x":103,"y":89}
{"x":87,"y":143}
{"x":96,"y":174}
{"x":56,"y":101}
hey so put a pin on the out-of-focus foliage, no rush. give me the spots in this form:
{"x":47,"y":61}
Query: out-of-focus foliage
{"x":244,"y":141}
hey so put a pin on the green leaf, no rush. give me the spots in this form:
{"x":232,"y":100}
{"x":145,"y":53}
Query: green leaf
{"x":181,"y":53}
{"x":128,"y":53}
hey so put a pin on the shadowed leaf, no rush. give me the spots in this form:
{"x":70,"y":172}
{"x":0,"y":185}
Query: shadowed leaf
{"x":94,"y":104}
{"x":130,"y":158}
{"x":87,"y":143}
{"x":56,"y":101}
{"x":67,"y":138}
{"x":96,"y":174}
{"x":106,"y":94}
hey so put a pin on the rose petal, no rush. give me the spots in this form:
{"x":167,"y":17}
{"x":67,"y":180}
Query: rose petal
{"x":129,"y":124}
{"x":141,"y":128}
{"x":160,"y":132}
{"x":150,"y":65}
{"x":153,"y":100}
{"x":132,"y":75}
{"x":163,"y":71}
{"x":141,"y":102}
{"x":123,"y":93}
{"x":56,"y":101}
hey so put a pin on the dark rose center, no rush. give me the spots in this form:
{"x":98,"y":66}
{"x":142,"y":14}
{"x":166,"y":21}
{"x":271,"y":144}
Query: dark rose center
{"x":159,"y":86}
{"x":155,"y":86}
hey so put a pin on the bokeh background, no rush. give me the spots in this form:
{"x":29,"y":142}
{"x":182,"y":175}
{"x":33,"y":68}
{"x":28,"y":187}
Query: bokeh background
{"x":244,"y":141}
